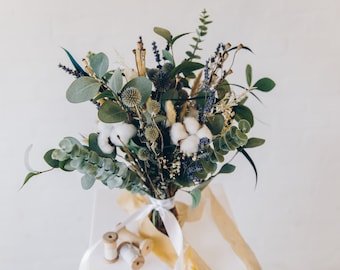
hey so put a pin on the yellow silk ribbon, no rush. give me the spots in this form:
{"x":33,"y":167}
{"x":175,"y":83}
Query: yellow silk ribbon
{"x":193,"y":261}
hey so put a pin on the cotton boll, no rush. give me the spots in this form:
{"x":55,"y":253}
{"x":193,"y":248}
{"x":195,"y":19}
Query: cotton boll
{"x":191,"y":125}
{"x":189,"y":145}
{"x":177,"y":133}
{"x":103,"y":143}
{"x":124,"y":131}
{"x":204,"y":132}
{"x":105,"y":128}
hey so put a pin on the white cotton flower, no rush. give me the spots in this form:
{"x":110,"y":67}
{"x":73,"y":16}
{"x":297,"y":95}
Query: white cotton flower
{"x":191,"y":125}
{"x":124,"y":131}
{"x":105,"y":128}
{"x":130,"y":73}
{"x":103,"y":143}
{"x":189,"y":145}
{"x":177,"y":133}
{"x":204,"y":132}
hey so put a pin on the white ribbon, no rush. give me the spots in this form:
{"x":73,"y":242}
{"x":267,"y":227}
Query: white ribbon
{"x":170,"y":222}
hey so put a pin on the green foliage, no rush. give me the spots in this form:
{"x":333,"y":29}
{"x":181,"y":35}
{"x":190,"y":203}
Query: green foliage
{"x":201,"y":31}
{"x":144,"y":86}
{"x":249,"y":74}
{"x":264,"y":84}
{"x":196,"y":195}
{"x":116,"y":81}
{"x":82,"y":89}
{"x":243,"y":112}
{"x":254,"y":142}
{"x":111,"y":112}
{"x":99,"y":63}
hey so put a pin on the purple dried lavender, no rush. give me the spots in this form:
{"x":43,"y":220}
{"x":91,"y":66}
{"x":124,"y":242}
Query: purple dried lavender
{"x":157,"y":55}
{"x":70,"y":71}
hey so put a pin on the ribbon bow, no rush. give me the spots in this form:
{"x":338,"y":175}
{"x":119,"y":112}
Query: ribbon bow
{"x":170,"y":222}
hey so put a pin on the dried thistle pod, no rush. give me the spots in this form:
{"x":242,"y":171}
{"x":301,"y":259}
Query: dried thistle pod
{"x":131,"y":97}
{"x":151,"y":133}
{"x":153,"y":107}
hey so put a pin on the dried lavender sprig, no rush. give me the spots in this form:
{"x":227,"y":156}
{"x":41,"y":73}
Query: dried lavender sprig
{"x":70,"y":71}
{"x":157,"y":55}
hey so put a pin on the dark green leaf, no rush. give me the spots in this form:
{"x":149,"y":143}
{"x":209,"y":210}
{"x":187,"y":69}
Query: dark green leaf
{"x":111,"y":112}
{"x":249,"y":74}
{"x":227,"y":168}
{"x":244,"y":125}
{"x":179,"y":36}
{"x":99,"y":62}
{"x":163,"y":33}
{"x":28,"y":177}
{"x":74,"y":63}
{"x":49,"y":160}
{"x":82,"y":89}
{"x":104,"y":94}
{"x":215,"y":123}
{"x":254,"y":142}
{"x":243,"y":112}
{"x":241,"y":149}
{"x":222,"y":88}
{"x":186,"y":67}
{"x":264,"y":84}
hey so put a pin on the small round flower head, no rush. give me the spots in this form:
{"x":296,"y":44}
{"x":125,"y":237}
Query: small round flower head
{"x":177,"y":133}
{"x":104,"y":145}
{"x":143,"y":154}
{"x":189,"y":146}
{"x":191,"y":125}
{"x":204,"y":132}
{"x":153,"y":107}
{"x":122,"y":133}
{"x":131,"y":97}
{"x":151,"y":133}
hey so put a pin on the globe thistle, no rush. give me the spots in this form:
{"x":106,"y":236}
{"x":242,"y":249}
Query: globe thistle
{"x":143,"y":154}
{"x":131,"y":97}
{"x":153,"y":107}
{"x":151,"y":133}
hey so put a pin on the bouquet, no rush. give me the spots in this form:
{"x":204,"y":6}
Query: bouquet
{"x":174,"y":126}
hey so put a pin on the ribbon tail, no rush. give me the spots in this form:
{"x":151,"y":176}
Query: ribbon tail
{"x":88,"y":253}
{"x":230,"y":233}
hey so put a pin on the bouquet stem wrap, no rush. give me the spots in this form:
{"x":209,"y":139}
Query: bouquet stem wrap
{"x":192,"y":260}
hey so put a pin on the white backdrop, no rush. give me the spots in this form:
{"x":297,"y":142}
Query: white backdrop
{"x":291,"y":220}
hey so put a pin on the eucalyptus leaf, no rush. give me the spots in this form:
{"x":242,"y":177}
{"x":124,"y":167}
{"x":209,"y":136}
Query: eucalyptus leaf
{"x":168,"y":56}
{"x":243,"y":112}
{"x":227,"y":168}
{"x":116,"y":81}
{"x":111,"y":112}
{"x":87,"y":181}
{"x":244,"y":125}
{"x":264,"y":84}
{"x":254,"y":142}
{"x":99,"y":62}
{"x":49,"y":160}
{"x":196,"y":195}
{"x":82,"y":89}
{"x":114,"y":181}
{"x":215,"y":123}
